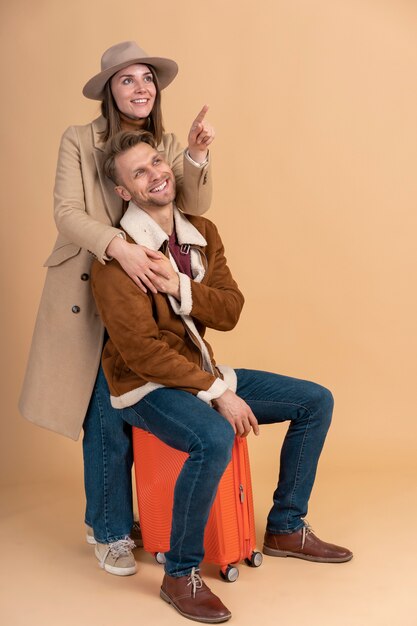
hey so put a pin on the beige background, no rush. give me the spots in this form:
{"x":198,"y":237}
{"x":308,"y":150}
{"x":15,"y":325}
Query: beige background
{"x":314,"y":104}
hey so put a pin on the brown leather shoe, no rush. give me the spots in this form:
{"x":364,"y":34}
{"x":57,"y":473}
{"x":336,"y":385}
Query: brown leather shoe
{"x":136,"y":534}
{"x":193,"y":599}
{"x":303,"y":544}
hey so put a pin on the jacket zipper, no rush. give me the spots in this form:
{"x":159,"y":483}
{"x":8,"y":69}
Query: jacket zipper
{"x":189,"y":332}
{"x":195,"y":343}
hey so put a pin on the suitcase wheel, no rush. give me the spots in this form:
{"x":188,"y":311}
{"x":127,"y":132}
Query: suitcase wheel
{"x":230,"y":573}
{"x":160,"y":558}
{"x":255,"y":559}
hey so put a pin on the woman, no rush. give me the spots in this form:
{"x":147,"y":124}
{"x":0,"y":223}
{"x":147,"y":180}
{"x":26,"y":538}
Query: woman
{"x":62,"y":390}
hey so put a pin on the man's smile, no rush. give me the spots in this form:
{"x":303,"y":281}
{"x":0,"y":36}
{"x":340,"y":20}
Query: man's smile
{"x":160,"y":187}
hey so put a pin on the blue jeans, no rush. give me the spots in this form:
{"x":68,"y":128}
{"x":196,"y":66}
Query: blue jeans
{"x":108,"y":458}
{"x":186,"y":423}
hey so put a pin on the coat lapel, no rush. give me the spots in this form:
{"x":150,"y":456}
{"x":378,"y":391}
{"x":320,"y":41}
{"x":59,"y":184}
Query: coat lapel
{"x":112,"y":202}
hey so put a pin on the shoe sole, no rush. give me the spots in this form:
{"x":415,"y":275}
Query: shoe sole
{"x":117,"y":571}
{"x":306,"y":557}
{"x":207,"y":620}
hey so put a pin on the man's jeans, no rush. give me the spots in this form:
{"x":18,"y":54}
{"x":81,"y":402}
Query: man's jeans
{"x":184,"y":422}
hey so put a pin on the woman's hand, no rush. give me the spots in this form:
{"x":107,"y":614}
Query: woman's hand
{"x":139,"y":262}
{"x":237,"y":412}
{"x":200,"y":137}
{"x":167,"y":280}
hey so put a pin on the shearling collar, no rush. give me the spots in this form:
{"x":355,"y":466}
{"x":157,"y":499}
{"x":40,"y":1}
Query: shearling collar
{"x":146,"y":232}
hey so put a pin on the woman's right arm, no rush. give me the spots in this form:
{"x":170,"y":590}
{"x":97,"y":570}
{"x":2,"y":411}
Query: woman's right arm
{"x":71,"y":217}
{"x":74,"y":223}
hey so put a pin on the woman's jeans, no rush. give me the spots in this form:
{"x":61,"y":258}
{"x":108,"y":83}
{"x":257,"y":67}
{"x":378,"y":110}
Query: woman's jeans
{"x":184,"y":422}
{"x":108,"y":458}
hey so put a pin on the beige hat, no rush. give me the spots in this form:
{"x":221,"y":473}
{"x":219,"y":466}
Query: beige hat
{"x":121,"y":55}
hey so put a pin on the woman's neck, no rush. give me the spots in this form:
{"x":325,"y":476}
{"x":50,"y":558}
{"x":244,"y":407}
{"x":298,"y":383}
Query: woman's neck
{"x":128,"y":123}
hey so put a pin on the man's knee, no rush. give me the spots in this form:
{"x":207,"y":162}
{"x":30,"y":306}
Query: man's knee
{"x":218,"y":444}
{"x":323,"y":402}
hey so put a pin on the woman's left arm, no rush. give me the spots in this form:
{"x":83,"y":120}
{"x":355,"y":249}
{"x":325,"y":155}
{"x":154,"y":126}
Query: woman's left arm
{"x":192,"y":167}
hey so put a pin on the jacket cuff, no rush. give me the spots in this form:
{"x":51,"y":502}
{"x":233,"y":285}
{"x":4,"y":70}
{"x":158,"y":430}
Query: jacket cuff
{"x":229,"y":376}
{"x":191,"y":160}
{"x":184,"y":306}
{"x":215,"y":391}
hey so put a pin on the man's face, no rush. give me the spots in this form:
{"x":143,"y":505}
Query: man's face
{"x":144,"y":177}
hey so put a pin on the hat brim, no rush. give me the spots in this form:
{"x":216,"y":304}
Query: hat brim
{"x":166,"y":70}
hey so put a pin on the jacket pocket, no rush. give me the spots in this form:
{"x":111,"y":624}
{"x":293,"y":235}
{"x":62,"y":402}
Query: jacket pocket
{"x":61,"y":254}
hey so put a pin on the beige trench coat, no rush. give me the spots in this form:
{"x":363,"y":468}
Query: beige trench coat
{"x":68,"y":336}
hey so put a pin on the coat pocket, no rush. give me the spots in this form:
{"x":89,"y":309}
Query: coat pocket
{"x":61,"y":254}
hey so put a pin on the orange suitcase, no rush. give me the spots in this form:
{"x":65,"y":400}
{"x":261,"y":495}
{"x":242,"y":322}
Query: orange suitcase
{"x":230,"y":531}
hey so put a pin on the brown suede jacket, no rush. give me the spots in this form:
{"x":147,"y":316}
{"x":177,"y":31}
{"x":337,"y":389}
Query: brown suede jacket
{"x":155,"y":340}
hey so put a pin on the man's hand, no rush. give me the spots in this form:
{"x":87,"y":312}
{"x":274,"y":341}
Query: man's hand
{"x":166,"y":279}
{"x":139,"y":262}
{"x":200,"y":137}
{"x":237,"y":412}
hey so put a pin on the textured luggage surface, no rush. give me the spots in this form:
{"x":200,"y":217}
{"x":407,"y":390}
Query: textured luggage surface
{"x":230,"y":531}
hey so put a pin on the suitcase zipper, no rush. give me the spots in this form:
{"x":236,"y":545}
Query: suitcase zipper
{"x":242,"y":493}
{"x":243,"y":507}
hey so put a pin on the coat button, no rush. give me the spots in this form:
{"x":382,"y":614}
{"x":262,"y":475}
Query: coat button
{"x":75,"y":309}
{"x":84,"y":277}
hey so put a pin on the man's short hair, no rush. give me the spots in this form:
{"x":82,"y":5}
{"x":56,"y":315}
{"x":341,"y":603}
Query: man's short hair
{"x":120,"y":143}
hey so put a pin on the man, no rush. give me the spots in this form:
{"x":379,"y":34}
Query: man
{"x":162,"y":375}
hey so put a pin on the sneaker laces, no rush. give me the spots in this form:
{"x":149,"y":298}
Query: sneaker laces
{"x":195,"y":580}
{"x":122,"y":547}
{"x":306,"y":531}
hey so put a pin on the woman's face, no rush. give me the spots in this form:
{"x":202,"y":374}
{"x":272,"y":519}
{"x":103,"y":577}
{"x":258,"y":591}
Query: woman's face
{"x":134,"y":90}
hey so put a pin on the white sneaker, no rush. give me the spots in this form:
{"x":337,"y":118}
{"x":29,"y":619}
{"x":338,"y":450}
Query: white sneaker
{"x":117,"y":557}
